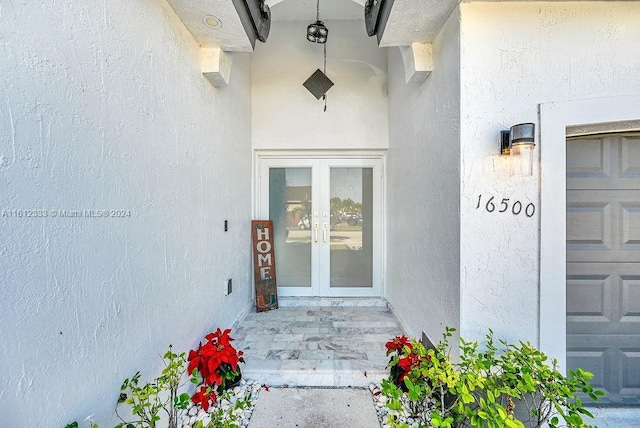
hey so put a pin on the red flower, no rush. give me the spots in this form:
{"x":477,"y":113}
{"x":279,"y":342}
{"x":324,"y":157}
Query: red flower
{"x":205,"y":397}
{"x":220,"y":337}
{"x":215,"y":357}
{"x":214,"y":360}
{"x":397,"y":343}
{"x":409,"y":362}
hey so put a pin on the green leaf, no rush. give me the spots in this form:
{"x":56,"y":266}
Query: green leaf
{"x":502,"y":412}
{"x":586,"y":412}
{"x":72,"y":425}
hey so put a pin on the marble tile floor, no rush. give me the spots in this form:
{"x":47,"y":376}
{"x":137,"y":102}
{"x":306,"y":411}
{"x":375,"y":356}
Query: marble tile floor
{"x":317,"y":342}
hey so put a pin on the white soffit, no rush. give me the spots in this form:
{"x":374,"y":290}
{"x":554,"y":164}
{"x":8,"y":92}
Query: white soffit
{"x":409,"y":21}
{"x":305,"y":10}
{"x":230,"y":36}
{"x":415,"y":21}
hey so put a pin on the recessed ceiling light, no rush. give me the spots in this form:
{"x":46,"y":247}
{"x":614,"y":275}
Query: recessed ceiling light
{"x":212,"y":21}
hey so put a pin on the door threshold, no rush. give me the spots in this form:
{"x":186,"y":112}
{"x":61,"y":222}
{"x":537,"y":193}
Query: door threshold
{"x":289,"y":302}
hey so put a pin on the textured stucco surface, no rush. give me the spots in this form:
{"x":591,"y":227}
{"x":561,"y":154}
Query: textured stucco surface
{"x":423,"y":190}
{"x":103,"y":107}
{"x":416,"y":21}
{"x":560,"y":51}
{"x":286,"y":116}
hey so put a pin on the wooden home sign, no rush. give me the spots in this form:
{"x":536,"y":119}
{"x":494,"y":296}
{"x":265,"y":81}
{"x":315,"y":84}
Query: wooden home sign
{"x":264,"y":265}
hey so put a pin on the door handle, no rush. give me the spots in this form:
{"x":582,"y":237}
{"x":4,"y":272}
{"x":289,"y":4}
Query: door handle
{"x":324,"y":232}
{"x":315,"y":228}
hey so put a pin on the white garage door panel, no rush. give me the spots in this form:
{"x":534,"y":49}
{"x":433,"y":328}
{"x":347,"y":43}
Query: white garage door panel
{"x":603,"y":225}
{"x":603,"y":263}
{"x":604,"y":163}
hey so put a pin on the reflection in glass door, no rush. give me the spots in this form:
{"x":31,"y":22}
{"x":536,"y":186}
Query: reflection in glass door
{"x":290,"y":204}
{"x":351,"y":244}
{"x":327,"y":217}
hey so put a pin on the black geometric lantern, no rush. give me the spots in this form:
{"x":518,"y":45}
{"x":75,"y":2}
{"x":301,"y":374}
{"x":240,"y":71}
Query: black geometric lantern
{"x":317,"y":32}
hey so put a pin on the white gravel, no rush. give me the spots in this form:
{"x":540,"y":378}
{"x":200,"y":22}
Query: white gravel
{"x":194,"y":413}
{"x":380,"y":402}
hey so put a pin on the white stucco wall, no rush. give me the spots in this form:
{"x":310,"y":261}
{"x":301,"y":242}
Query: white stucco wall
{"x":515,"y":56}
{"x":103,"y":107}
{"x":287,"y":116}
{"x":423,"y":190}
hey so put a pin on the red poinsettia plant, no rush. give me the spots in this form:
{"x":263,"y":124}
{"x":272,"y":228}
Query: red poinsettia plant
{"x":406,"y":355}
{"x":214,"y":367}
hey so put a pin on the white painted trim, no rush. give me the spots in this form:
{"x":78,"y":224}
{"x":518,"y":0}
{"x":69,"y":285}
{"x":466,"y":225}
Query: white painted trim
{"x":374,"y":154}
{"x":554,"y":119}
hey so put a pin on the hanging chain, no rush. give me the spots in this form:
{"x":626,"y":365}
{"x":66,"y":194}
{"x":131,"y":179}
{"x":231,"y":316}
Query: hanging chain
{"x":325,"y":73}
{"x":324,"y":66}
{"x":324,"y":45}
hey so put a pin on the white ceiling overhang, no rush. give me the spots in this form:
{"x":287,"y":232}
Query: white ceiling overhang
{"x":229,"y":36}
{"x":415,"y":21}
{"x":406,"y":21}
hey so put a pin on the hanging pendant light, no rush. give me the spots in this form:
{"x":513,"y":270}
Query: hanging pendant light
{"x":317,"y":32}
{"x":318,"y":83}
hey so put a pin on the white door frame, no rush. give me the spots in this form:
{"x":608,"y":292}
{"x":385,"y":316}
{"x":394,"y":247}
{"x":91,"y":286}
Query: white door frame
{"x":555,"y":117}
{"x":379,"y":206}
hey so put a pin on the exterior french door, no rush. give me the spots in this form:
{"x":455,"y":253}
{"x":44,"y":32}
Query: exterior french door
{"x":327,"y":221}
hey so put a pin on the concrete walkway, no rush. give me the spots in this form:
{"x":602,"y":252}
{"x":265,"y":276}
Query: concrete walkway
{"x":348,"y":407}
{"x":615,"y":417}
{"x":314,"y":408}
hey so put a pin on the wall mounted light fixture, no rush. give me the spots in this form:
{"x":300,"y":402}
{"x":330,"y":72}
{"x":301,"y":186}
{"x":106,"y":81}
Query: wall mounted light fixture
{"x":518,"y":143}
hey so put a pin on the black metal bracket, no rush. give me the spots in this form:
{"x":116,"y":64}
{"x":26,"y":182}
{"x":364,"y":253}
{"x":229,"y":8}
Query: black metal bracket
{"x":256,"y":19}
{"x":376,"y":15}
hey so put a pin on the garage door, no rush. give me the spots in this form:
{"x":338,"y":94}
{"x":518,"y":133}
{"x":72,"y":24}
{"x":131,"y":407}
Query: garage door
{"x":603,"y":262}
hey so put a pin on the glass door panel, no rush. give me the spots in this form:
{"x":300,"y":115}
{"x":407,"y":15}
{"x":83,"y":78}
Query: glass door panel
{"x":327,"y":221}
{"x":290,"y":205}
{"x":351,"y":244}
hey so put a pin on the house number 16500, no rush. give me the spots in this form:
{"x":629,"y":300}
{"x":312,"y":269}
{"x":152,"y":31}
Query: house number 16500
{"x":492,"y":205}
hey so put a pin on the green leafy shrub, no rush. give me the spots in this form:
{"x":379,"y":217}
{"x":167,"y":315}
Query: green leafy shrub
{"x":214,"y":368}
{"x":230,"y":419}
{"x":161,"y":395}
{"x":502,"y":385}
